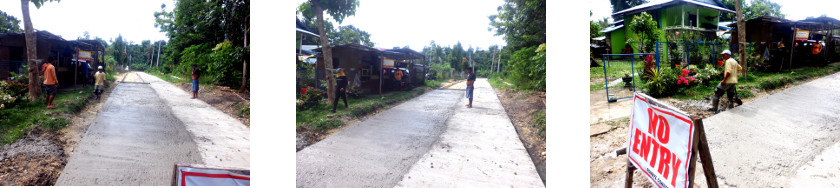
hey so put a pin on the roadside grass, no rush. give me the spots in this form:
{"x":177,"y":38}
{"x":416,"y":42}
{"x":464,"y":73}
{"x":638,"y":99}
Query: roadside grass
{"x":539,"y":121}
{"x":760,"y":81}
{"x":319,"y":116}
{"x":498,"y":82}
{"x":17,"y":120}
{"x":175,"y":78}
{"x":434,"y":83}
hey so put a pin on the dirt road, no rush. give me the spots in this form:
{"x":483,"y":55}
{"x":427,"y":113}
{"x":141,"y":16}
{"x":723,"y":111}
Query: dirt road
{"x":776,"y":141}
{"x":412,"y":142}
{"x":140,"y":134}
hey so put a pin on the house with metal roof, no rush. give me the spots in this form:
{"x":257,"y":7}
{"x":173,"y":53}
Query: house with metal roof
{"x":672,"y":16}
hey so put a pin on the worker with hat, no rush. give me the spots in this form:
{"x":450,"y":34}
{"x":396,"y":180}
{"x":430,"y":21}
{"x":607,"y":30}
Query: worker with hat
{"x":99,"y":83}
{"x":730,"y":79}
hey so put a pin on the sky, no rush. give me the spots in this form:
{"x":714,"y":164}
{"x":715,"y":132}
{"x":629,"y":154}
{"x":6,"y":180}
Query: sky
{"x":104,"y":18}
{"x":416,"y":23}
{"x":793,"y":9}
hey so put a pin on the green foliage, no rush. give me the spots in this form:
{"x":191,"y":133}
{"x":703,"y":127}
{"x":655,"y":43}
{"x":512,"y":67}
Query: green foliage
{"x":594,"y":30}
{"x":14,"y":88}
{"x":312,"y":97}
{"x":349,"y":34}
{"x":194,"y":28}
{"x":619,"y":5}
{"x":539,"y":121}
{"x":522,"y":22}
{"x":773,"y":83}
{"x":646,"y":31}
{"x":754,"y":9}
{"x":223,"y":61}
{"x":662,"y":82}
{"x":52,"y":123}
{"x":9,"y":24}
{"x":528,"y":68}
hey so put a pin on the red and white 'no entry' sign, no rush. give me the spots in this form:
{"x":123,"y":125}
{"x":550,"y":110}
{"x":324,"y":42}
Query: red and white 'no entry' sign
{"x":660,"y":141}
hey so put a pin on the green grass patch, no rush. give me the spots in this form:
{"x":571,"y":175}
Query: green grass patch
{"x":615,"y":68}
{"x":317,"y":115}
{"x":539,"y":121}
{"x":433,"y":83}
{"x":17,"y":120}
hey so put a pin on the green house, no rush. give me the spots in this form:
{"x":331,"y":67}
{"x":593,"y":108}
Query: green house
{"x":672,"y":16}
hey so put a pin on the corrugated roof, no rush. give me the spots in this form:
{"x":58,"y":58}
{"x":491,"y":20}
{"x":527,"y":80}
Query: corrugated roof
{"x":656,"y":4}
{"x":610,"y":29}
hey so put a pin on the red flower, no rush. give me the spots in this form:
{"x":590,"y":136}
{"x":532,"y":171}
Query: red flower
{"x":691,"y":78}
{"x":685,"y":72}
{"x":303,"y":91}
{"x":720,"y":63}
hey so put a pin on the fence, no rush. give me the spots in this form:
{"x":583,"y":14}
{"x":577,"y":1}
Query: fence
{"x":622,"y":68}
{"x":306,"y":77}
{"x":700,"y":53}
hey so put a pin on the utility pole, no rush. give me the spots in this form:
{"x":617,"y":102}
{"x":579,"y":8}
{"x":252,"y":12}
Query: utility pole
{"x":157,"y":62}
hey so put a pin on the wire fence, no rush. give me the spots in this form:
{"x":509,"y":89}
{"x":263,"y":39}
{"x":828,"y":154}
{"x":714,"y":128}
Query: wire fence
{"x":622,"y":73}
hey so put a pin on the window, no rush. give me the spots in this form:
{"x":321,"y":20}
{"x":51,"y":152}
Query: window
{"x":692,"y":20}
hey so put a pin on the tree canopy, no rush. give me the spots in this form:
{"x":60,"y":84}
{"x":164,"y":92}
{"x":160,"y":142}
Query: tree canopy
{"x":9,"y":24}
{"x":521,"y":21}
{"x":755,"y":8}
{"x":523,"y":24}
{"x":619,"y":5}
{"x":199,"y":28}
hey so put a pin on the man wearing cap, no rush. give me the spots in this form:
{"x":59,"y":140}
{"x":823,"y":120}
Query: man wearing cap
{"x":730,"y":79}
{"x":340,"y":87}
{"x":99,"y":83}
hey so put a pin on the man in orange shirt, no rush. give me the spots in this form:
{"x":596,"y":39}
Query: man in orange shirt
{"x":50,"y":81}
{"x":398,"y":74}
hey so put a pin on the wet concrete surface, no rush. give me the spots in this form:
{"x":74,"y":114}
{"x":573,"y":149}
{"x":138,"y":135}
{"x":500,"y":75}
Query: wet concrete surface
{"x":135,"y":140}
{"x":480,"y":148}
{"x":600,"y":110}
{"x":145,"y":127}
{"x":767,"y":142}
{"x":222,"y":141}
{"x":379,"y":151}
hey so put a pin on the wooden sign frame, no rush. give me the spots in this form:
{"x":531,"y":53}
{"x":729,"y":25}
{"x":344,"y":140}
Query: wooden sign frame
{"x":700,"y":147}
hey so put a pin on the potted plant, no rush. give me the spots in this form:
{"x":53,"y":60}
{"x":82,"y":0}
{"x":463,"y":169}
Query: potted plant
{"x":627,"y":79}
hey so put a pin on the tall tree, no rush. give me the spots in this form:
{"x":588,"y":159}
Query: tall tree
{"x":619,"y":5}
{"x":9,"y":24}
{"x":742,"y":48}
{"x":31,"y":48}
{"x":521,"y":21}
{"x":351,"y":34}
{"x":338,"y":9}
{"x":755,"y":8}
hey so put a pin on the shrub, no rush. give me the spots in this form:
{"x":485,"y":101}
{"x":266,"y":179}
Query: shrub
{"x":528,"y":68}
{"x":310,"y":98}
{"x":14,"y":88}
{"x":662,"y":82}
{"x":539,"y":121}
{"x":773,"y":83}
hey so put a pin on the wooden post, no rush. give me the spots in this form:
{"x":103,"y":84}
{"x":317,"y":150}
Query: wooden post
{"x":792,"y":42}
{"x":705,"y":154}
{"x":628,"y":183}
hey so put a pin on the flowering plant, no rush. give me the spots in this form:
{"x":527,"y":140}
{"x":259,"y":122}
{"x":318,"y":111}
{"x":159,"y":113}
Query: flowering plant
{"x":6,"y":99}
{"x":684,"y":78}
{"x":310,"y":96}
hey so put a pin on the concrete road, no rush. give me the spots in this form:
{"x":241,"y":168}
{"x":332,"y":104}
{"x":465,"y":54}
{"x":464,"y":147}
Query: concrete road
{"x":138,"y":136}
{"x":476,"y":147}
{"x":781,"y":140}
